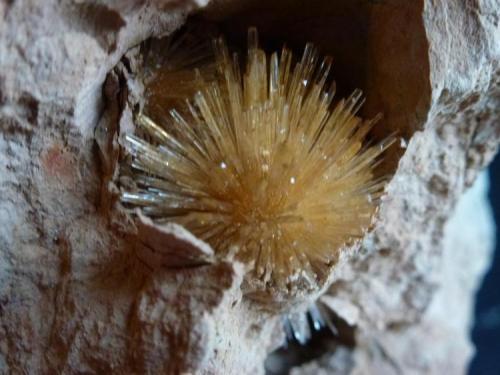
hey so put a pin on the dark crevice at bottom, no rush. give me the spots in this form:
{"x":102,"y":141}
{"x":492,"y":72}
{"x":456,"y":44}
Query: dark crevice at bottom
{"x":322,"y":342}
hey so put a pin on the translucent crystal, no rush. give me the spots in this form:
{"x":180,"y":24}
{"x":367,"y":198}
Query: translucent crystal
{"x":260,"y":163}
{"x":298,"y":327}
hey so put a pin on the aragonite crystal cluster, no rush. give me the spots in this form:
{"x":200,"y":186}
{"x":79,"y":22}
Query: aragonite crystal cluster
{"x":261,"y":163}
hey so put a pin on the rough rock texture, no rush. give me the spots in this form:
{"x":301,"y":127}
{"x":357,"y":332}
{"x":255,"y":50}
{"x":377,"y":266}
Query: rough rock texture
{"x":74,"y":296}
{"x":441,"y":336}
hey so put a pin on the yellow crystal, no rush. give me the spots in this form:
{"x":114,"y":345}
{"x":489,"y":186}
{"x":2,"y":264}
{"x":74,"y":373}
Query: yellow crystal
{"x":262,"y":164}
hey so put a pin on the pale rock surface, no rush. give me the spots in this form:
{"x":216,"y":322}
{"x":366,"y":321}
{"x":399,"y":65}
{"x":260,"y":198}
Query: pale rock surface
{"x":74,"y":296}
{"x":442,"y":335}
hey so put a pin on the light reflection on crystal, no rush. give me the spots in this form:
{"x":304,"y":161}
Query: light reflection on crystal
{"x":260,"y":163}
{"x":299,"y":325}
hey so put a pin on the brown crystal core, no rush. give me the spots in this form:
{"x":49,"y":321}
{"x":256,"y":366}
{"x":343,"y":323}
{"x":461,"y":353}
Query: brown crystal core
{"x":262,"y":165}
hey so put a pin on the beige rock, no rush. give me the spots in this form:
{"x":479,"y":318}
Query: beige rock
{"x":74,"y":295}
